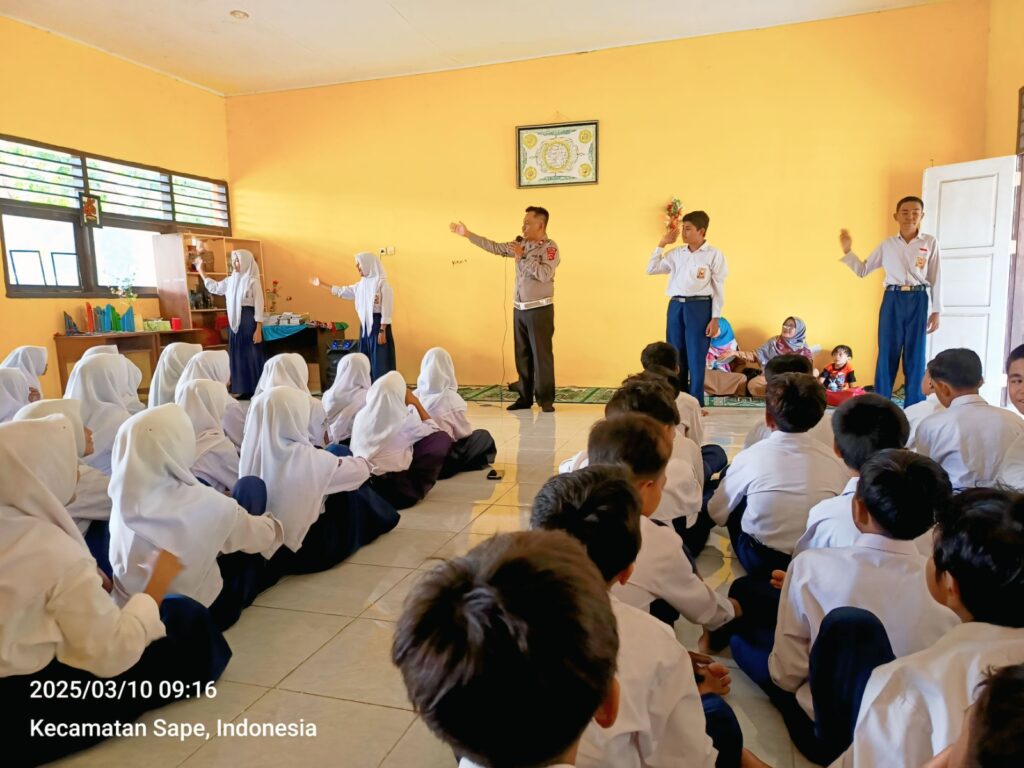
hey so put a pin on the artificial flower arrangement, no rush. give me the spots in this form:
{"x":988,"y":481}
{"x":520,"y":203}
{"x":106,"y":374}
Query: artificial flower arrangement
{"x":673,"y":212}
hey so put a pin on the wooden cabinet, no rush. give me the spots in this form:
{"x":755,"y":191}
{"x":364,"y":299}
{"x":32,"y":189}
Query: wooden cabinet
{"x":176,"y":278}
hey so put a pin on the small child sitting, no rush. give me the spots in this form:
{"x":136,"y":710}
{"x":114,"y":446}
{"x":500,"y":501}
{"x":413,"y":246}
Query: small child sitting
{"x":838,"y":377}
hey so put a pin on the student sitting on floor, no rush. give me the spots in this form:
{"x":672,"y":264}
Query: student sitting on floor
{"x":169,"y":367}
{"x":661,"y":717}
{"x":664,"y":582}
{"x":1015,"y":378}
{"x":14,"y":393}
{"x":897,"y":497}
{"x":216,"y":463}
{"x":289,"y":370}
{"x":992,"y":734}
{"x":90,"y":506}
{"x":863,"y":427}
{"x":970,"y":438}
{"x":31,"y":361}
{"x":912,"y":708}
{"x":99,"y":383}
{"x":770,"y":487}
{"x":918,"y":412}
{"x":215,"y":365}
{"x":508,"y":653}
{"x":67,"y":629}
{"x":396,"y":435}
{"x":791,"y":341}
{"x":159,"y":504}
{"x":821,"y":431}
{"x":838,"y":377}
{"x":438,"y":390}
{"x":322,"y":498}
{"x":346,"y":396}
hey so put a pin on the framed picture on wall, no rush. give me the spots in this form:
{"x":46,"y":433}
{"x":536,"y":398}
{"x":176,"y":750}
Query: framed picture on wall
{"x":556,"y":154}
{"x":90,"y":205}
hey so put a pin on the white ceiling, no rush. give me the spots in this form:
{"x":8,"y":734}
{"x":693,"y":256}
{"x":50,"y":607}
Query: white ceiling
{"x":300,"y":43}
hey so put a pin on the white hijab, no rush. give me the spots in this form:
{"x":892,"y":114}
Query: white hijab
{"x":351,"y":383}
{"x":13,"y":392}
{"x":130,"y":376}
{"x":368,"y":288}
{"x":204,"y":402}
{"x":437,"y":388}
{"x":157,"y":498}
{"x":168,"y":370}
{"x":103,"y":349}
{"x":31,"y":361}
{"x":289,"y":370}
{"x":212,"y":364}
{"x":72,"y":409}
{"x":98,"y":382}
{"x":276,"y":448}
{"x":380,"y":423}
{"x":246,"y":279}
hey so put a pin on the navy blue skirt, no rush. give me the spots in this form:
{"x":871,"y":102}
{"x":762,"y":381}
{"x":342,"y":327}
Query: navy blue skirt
{"x":382,"y":356}
{"x":246,"y":358}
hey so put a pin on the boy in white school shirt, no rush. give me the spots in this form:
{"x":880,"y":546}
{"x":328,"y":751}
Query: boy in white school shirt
{"x":918,"y":412}
{"x":970,"y":438}
{"x":912,"y":707}
{"x":661,"y":718}
{"x":882,"y":572}
{"x":1015,"y":378}
{"x":822,"y":431}
{"x":662,"y":358}
{"x":508,"y":653}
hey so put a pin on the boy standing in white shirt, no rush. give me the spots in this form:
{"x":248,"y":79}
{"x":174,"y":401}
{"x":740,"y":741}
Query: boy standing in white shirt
{"x":970,"y":438}
{"x":696,"y":291}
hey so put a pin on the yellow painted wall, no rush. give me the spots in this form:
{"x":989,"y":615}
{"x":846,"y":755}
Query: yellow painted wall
{"x":783,"y":135}
{"x":1005,"y":76}
{"x":60,"y":92}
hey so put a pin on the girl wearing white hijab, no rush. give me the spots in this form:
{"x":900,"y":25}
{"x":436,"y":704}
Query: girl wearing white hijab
{"x":244,"y":293}
{"x":90,"y":507}
{"x":438,"y":390}
{"x":130,"y":377}
{"x":159,"y":504}
{"x":31,"y":361}
{"x":396,"y":434}
{"x":289,"y":370}
{"x":14,"y":392}
{"x":213,"y":364}
{"x":375,"y":302}
{"x":68,"y":628}
{"x":347,"y":395}
{"x":216,"y":461}
{"x":169,"y":368}
{"x":318,"y":495}
{"x":102,"y":349}
{"x":98,"y":382}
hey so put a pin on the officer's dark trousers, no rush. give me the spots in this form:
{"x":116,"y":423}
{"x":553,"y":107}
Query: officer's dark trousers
{"x":535,"y":361}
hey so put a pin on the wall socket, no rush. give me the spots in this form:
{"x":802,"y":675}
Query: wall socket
{"x":386,"y":251}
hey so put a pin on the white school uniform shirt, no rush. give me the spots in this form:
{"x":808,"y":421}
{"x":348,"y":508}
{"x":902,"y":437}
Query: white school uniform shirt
{"x":51,"y":597}
{"x":692,"y":273}
{"x":920,"y":411}
{"x":159,"y":505}
{"x":240,"y":289}
{"x":662,"y":571}
{"x":781,"y":478}
{"x":969,"y":439}
{"x":822,"y":432}
{"x":913,"y":707}
{"x":1011,"y":470}
{"x":661,"y":718}
{"x":913,"y":263}
{"x":881,"y":575}
{"x":372,"y":294}
{"x":577,"y":461}
{"x":683,"y":494}
{"x":691,"y":420}
{"x":830,"y":525}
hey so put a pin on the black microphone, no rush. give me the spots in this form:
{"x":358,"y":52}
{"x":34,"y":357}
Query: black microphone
{"x":519,"y":238}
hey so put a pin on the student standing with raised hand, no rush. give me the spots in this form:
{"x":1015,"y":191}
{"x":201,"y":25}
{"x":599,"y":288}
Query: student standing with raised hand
{"x":913,"y":297}
{"x":696,"y":291}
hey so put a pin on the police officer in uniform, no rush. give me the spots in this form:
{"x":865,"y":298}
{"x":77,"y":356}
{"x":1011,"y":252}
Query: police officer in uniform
{"x":536,"y":258}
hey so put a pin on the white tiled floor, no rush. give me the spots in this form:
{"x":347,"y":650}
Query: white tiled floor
{"x":317,"y":647}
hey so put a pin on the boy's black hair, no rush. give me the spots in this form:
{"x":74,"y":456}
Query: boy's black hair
{"x":517,"y":637}
{"x":980,"y":541}
{"x":865,"y":425}
{"x":644,"y":394}
{"x":960,"y":368}
{"x":910,"y":199}
{"x":667,"y":375}
{"x":660,"y":353}
{"x":843,"y":348}
{"x":699,"y":219}
{"x":632,"y":440}
{"x":1017,"y":353}
{"x":599,"y":506}
{"x":795,"y":400}
{"x":536,"y":210}
{"x":904,"y":491}
{"x":787,"y":364}
{"x":996,"y":729}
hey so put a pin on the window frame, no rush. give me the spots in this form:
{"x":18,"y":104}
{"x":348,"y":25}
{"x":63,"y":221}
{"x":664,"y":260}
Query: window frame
{"x":84,"y":241}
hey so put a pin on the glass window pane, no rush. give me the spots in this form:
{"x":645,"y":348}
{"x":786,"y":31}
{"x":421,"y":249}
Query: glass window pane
{"x":122,"y":252}
{"x":40,"y":238}
{"x":65,"y":269}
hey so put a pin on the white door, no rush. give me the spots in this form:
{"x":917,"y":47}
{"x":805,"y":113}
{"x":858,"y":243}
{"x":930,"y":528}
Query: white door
{"x":969,"y":209}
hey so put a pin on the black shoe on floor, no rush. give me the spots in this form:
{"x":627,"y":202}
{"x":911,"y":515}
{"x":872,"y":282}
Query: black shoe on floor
{"x":549,"y":408}
{"x":520,"y":405}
